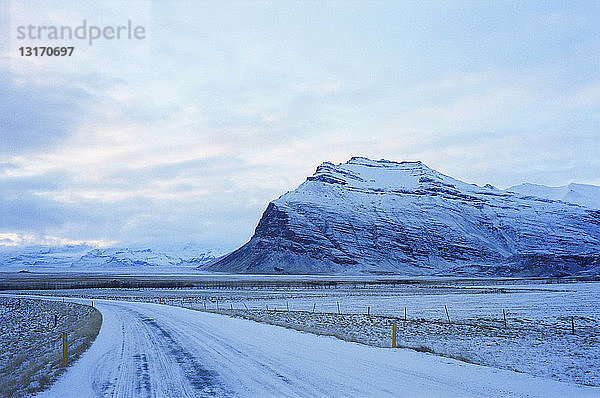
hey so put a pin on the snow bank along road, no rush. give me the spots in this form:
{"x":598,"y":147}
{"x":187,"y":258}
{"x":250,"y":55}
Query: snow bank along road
{"x":151,"y":350}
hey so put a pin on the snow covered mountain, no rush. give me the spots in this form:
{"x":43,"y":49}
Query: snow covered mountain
{"x":581,"y":194}
{"x":83,"y":256}
{"x":42,"y":256}
{"x":127,"y":257}
{"x":115,"y":257}
{"x":368,"y":216}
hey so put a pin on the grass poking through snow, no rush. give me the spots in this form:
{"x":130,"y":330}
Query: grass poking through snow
{"x":31,"y":345}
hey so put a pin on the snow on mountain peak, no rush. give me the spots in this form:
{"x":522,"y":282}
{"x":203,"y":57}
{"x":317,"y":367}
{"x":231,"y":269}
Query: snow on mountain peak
{"x":364,"y":173}
{"x":360,"y":160}
{"x":581,"y":194}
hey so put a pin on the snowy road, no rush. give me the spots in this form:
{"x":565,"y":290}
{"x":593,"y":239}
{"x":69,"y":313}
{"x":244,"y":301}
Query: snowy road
{"x":150,"y":350}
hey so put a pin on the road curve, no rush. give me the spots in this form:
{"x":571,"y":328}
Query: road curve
{"x":151,"y":350}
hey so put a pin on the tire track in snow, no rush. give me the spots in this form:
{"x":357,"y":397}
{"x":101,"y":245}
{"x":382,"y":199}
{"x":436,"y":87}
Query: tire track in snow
{"x":135,"y":356}
{"x":204,"y":381}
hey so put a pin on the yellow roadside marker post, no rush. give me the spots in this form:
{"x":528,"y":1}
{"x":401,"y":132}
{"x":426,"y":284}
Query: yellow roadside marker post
{"x":65,"y":349}
{"x":394,"y":335}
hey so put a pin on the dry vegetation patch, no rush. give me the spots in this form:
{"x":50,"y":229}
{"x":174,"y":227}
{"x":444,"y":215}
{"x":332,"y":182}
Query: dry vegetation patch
{"x":31,"y":342}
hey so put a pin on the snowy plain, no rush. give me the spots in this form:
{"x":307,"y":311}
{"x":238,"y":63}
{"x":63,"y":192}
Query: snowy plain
{"x":146,"y":349}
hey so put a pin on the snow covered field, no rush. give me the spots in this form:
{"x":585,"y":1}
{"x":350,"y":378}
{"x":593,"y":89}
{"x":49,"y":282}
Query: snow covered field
{"x":146,"y":349}
{"x":537,"y":338}
{"x":30,"y":344}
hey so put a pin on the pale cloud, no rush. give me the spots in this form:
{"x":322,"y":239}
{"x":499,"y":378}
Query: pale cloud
{"x":586,"y":96}
{"x":15,"y":239}
{"x":242,"y":102}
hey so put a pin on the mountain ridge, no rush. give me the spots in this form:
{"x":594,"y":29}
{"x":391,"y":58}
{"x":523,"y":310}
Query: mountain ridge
{"x":381,"y":216}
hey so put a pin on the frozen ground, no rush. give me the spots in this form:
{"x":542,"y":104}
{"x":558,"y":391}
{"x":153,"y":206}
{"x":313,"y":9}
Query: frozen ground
{"x":30,"y":343}
{"x":540,"y":349}
{"x":146,"y":349}
{"x":537,"y":338}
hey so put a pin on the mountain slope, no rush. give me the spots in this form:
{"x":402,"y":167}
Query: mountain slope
{"x":367,"y":216}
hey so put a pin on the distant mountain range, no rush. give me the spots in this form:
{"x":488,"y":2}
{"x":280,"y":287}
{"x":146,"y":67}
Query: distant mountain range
{"x":85,"y":257}
{"x":379,"y":216}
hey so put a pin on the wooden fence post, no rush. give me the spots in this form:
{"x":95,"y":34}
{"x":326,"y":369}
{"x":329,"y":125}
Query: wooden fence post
{"x":504,"y":313}
{"x":447,"y":315}
{"x":338,"y":305}
{"x":394,"y":335}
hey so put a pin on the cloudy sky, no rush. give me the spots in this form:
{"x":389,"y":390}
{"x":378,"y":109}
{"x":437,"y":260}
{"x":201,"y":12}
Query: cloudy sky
{"x":188,"y":134}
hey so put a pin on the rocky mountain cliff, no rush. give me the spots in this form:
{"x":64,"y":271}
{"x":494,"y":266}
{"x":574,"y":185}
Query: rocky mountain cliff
{"x":368,"y":216}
